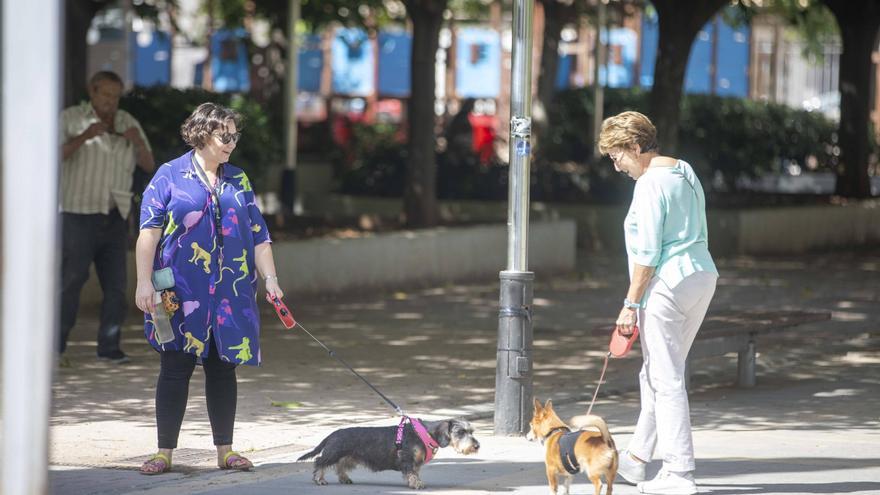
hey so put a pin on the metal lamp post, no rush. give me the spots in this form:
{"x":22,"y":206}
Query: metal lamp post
{"x":288,"y":176}
{"x":513,"y":372}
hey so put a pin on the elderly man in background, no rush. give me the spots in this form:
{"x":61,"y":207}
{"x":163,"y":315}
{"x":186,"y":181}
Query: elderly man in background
{"x":100,"y":147}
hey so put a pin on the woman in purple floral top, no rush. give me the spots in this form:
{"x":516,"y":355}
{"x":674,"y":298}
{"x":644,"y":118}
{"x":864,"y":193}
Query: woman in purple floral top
{"x":199,"y":217}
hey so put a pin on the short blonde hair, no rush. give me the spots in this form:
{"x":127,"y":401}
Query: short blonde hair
{"x":626,"y":130}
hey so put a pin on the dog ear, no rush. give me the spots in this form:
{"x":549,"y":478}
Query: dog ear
{"x":537,"y":404}
{"x":548,"y":405}
{"x":442,"y":433}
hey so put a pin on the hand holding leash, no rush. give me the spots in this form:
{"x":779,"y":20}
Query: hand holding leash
{"x":621,"y":344}
{"x":281,"y":310}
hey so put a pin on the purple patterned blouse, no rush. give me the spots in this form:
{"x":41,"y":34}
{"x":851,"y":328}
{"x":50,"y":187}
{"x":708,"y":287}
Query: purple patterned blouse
{"x":214,"y":272}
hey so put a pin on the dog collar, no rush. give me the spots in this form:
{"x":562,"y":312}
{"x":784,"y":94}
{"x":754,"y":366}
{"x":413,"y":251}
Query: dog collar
{"x":554,"y":430}
{"x":430,"y":444}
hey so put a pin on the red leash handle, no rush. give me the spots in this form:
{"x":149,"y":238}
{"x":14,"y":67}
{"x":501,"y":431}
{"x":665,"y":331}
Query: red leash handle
{"x":621,"y":344}
{"x":281,"y":310}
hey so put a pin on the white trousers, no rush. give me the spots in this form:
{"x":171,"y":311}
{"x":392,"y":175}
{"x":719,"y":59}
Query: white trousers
{"x":667,"y":327}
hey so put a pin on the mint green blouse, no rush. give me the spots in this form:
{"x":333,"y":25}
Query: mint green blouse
{"x":666,"y":224}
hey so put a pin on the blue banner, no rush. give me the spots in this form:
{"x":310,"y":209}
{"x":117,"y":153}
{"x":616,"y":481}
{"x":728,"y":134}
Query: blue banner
{"x":622,"y":49}
{"x":230,"y":67}
{"x":395,"y":49}
{"x":477,"y":63}
{"x":731,"y":53}
{"x":732,"y":77}
{"x":353,"y":63}
{"x":151,"y":64}
{"x":311,"y":63}
{"x":698,"y":77}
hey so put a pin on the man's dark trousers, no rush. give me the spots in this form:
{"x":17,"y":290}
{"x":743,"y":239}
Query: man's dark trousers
{"x":102,"y":239}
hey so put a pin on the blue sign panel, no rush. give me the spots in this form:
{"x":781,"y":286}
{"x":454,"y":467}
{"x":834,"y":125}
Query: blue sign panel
{"x":353,"y":63}
{"x":698,"y":77}
{"x":477,"y":63}
{"x":622,"y":48}
{"x":564,"y":70}
{"x":732,"y":76}
{"x":731,"y":49}
{"x":151,"y":52}
{"x":394,"y":63}
{"x":311,"y":62}
{"x":650,"y":35}
{"x":229,"y":61}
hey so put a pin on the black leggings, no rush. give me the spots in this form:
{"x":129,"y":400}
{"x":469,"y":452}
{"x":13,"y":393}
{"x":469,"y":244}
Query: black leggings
{"x":172,"y":391}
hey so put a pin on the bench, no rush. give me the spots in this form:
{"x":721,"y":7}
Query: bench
{"x":729,"y":331}
{"x":737,"y":331}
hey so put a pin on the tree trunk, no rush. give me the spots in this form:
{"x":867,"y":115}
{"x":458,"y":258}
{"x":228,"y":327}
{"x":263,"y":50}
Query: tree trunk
{"x":77,"y":20}
{"x":859,"y":22}
{"x":420,"y":190}
{"x":679,"y":23}
{"x":556,"y":15}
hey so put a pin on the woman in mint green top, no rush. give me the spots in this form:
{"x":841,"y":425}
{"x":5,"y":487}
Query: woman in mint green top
{"x":666,"y":223}
{"x":672,"y":281}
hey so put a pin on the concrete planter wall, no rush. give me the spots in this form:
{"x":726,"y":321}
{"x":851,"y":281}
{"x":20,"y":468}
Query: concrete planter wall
{"x":419,"y":257}
{"x":784,"y":230}
{"x":403,"y":259}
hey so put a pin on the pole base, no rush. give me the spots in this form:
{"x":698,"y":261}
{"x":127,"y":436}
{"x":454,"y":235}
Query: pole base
{"x":513,"y":371}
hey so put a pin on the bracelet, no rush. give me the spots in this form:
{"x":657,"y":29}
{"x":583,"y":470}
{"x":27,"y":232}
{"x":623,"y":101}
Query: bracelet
{"x":631,"y":305}
{"x":267,"y":277}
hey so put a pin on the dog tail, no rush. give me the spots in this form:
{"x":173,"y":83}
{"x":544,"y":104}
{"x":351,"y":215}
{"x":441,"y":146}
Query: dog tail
{"x":317,"y":450}
{"x":588,"y":422}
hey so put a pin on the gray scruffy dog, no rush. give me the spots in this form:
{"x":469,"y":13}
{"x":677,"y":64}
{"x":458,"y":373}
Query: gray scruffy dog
{"x":375,"y":448}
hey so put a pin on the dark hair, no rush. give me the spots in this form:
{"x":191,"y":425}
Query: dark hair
{"x":206,"y":119}
{"x":105,"y":75}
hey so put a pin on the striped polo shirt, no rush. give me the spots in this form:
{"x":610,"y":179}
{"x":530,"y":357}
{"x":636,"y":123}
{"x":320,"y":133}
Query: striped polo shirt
{"x":97,"y":177}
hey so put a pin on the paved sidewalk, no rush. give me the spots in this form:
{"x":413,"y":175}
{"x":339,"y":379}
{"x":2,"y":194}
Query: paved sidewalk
{"x":810,"y":426}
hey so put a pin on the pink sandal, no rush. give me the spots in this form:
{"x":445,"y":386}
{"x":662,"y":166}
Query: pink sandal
{"x":236,"y":461}
{"x":158,"y":464}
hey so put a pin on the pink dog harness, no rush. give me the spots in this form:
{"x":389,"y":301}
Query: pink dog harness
{"x":430,"y":444}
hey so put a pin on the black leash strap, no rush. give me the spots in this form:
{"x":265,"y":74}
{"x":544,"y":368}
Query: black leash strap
{"x":334,"y":356}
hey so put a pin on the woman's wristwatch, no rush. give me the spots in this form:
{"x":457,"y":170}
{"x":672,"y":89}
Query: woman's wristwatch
{"x":267,"y":277}
{"x":631,"y":305}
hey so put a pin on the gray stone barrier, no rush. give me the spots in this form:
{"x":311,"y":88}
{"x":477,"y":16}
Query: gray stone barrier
{"x":403,"y":259}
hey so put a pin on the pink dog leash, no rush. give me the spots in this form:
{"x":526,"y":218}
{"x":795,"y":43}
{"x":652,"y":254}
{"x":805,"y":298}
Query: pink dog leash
{"x":618,"y":347}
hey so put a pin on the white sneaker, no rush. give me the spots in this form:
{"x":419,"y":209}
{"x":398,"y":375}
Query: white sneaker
{"x":670,"y":483}
{"x":631,"y":470}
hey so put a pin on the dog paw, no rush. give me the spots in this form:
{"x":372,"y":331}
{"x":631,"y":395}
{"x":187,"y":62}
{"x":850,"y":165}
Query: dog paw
{"x":320,"y":482}
{"x":345,"y":480}
{"x":416,"y":485}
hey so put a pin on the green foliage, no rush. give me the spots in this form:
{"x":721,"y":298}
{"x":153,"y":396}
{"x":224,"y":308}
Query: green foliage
{"x":375,"y":164}
{"x":718,"y":135}
{"x":732,"y":136}
{"x":810,"y":20}
{"x":470,"y":9}
{"x":161,"y":111}
{"x":375,"y":161}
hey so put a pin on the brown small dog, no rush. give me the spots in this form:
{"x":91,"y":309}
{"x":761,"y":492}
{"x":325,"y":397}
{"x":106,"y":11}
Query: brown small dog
{"x":590,"y":450}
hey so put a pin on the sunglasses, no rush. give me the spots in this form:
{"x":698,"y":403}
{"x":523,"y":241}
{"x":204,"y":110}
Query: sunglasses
{"x":228,"y":137}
